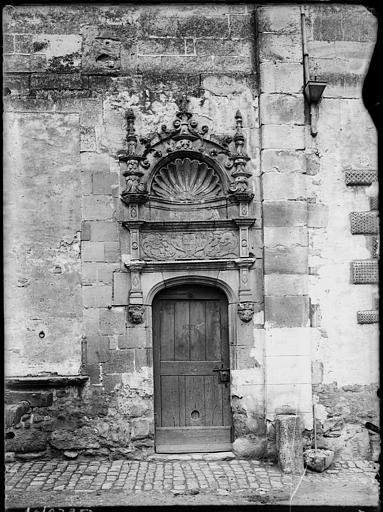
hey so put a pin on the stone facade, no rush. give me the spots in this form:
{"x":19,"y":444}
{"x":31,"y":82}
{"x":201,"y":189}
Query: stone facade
{"x":104,"y":107}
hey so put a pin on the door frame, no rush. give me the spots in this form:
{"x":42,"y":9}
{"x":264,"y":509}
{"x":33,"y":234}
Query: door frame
{"x":231,"y":318}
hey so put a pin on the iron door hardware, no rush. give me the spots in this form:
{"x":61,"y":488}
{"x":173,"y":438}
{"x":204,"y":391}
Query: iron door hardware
{"x":223,"y":374}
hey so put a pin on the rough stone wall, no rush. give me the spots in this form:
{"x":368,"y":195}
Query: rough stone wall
{"x":70,"y":74}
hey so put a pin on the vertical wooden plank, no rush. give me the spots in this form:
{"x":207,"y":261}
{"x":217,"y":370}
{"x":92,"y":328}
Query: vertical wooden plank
{"x":156,"y":363}
{"x":169,"y":401}
{"x":213,"y":331}
{"x":213,"y":400}
{"x":225,"y":351}
{"x":197,"y":330}
{"x":181,"y":329}
{"x":195,"y":401}
{"x":182,"y":400}
{"x":167,"y":330}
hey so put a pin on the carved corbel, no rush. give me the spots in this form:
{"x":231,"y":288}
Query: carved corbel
{"x":136,"y":313}
{"x":245,"y":311}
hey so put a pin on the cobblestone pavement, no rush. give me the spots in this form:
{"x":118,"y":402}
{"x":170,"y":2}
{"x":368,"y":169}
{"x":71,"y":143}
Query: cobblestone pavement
{"x":182,"y":478}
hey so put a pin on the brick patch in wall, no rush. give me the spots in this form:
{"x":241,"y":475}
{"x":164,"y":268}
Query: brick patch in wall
{"x":368,"y":317}
{"x":364,"y":223}
{"x":365,"y":272}
{"x":365,"y":177}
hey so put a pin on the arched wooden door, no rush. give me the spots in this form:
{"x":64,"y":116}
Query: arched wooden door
{"x":190,"y":345}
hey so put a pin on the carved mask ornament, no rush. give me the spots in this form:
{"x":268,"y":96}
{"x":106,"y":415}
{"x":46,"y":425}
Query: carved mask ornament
{"x":136,"y":314}
{"x":245,"y":311}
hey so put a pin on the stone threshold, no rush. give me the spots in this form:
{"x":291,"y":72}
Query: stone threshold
{"x":191,"y":456}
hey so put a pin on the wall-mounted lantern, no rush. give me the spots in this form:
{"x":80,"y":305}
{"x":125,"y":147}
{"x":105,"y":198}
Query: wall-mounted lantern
{"x":313,"y":93}
{"x":313,"y":89}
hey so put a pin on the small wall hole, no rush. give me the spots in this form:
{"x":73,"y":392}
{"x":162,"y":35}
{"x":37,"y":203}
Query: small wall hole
{"x":9,"y":435}
{"x":41,"y":334}
{"x":195,"y":415}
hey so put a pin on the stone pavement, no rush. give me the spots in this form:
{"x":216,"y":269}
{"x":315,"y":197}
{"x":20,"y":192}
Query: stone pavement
{"x":72,"y":482}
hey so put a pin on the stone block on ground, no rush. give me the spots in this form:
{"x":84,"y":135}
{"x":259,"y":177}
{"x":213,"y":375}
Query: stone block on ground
{"x":249,"y":448}
{"x":289,"y":443}
{"x":318,"y":460}
{"x":26,"y":441}
{"x":14,"y":412}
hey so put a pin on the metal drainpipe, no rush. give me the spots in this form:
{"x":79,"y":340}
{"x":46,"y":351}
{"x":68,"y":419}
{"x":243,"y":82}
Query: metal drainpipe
{"x":306,"y":72}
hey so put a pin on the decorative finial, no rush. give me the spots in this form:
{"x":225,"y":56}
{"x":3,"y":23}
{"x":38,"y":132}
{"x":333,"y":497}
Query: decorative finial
{"x":131,"y":131}
{"x":240,"y":174}
{"x":239,"y":139}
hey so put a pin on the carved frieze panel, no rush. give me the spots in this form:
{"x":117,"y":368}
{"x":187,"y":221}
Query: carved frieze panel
{"x":189,"y":245}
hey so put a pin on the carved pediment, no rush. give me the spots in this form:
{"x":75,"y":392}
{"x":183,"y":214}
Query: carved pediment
{"x":183,"y":165}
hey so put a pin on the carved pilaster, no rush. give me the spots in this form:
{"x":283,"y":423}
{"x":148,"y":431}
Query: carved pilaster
{"x":134,"y":231}
{"x":135,"y":267}
{"x":244,"y":265}
{"x":244,"y":223}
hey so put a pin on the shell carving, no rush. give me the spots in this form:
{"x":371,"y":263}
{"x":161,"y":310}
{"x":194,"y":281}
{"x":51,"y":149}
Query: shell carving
{"x":186,"y":181}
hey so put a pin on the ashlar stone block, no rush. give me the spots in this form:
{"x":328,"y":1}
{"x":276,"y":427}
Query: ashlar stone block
{"x":288,"y":341}
{"x":277,"y":136}
{"x":281,"y":109}
{"x":285,"y":236}
{"x":286,"y":260}
{"x":280,"y":47}
{"x":121,"y":361}
{"x":97,"y":349}
{"x":282,"y":161}
{"x":295,"y":369}
{"x":287,"y":311}
{"x":97,"y":296}
{"x":113,"y":321}
{"x":280,"y":19}
{"x":98,"y":207}
{"x":283,"y":77}
{"x":284,"y":186}
{"x":121,"y":287}
{"x":286,"y":284}
{"x":284,"y":213}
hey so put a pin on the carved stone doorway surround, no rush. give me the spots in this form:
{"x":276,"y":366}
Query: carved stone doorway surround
{"x":188,"y":213}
